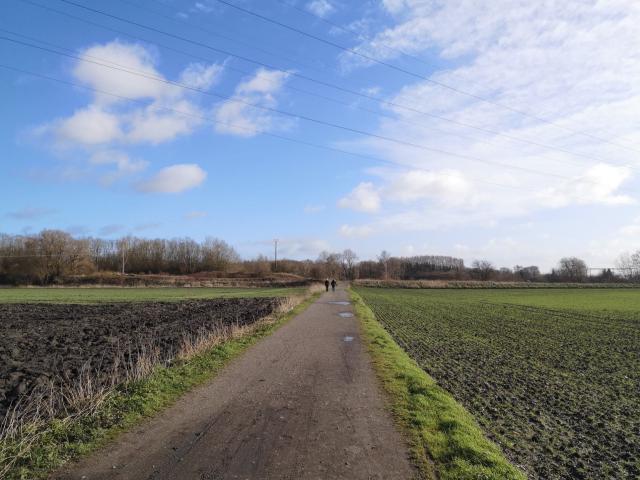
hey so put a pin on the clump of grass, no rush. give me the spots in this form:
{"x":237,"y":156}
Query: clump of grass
{"x":36,"y":439}
{"x":445,"y":440}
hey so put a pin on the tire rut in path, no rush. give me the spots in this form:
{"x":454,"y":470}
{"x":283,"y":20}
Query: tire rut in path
{"x":302,"y":403}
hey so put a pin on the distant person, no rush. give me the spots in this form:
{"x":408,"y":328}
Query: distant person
{"x":333,"y":284}
{"x":326,"y":284}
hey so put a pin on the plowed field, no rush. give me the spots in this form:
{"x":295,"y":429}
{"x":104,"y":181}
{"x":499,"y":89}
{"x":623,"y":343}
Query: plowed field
{"x":42,"y":344}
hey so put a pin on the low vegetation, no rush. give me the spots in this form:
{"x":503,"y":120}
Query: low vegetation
{"x":478,"y":284}
{"x":551,"y":376}
{"x":446,"y":442}
{"x":75,"y":417}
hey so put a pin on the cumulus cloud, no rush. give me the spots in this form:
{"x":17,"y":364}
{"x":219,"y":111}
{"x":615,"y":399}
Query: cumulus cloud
{"x":236,"y":117}
{"x":322,"y":8}
{"x":174,"y":179}
{"x":167,"y":110}
{"x":153,"y":112}
{"x":123,"y":164}
{"x":90,"y":126}
{"x":364,"y":198}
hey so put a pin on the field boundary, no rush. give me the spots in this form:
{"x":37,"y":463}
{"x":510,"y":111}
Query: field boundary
{"x":40,"y":449}
{"x":478,"y":284}
{"x":445,"y":440}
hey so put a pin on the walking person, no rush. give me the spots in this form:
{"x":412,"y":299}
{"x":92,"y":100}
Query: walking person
{"x":326,"y":284}
{"x":333,"y":284}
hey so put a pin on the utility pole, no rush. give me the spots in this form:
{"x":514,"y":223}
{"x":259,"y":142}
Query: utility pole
{"x":275,"y":255}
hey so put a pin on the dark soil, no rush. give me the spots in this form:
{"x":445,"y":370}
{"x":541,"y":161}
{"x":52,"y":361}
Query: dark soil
{"x":41,"y":344}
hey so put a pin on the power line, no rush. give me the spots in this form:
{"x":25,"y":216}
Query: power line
{"x":347,"y":30}
{"x":290,"y":114}
{"x":314,"y":94}
{"x":326,"y":84}
{"x":334,"y":86}
{"x":406,"y":72}
{"x":182,"y":21}
{"x":253,"y":130}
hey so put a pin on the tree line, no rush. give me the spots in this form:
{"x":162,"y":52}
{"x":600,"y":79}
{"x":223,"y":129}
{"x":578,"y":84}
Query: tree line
{"x":51,"y":255}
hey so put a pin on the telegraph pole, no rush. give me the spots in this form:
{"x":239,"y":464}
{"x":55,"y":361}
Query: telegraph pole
{"x":275,"y":255}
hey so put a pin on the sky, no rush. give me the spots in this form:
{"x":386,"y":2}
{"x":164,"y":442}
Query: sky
{"x":505,"y":130}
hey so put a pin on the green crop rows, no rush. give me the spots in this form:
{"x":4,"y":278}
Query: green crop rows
{"x":552,"y":376}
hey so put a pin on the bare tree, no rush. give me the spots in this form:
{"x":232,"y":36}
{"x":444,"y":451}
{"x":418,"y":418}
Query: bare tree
{"x":384,"y":258}
{"x":572,"y":269}
{"x":483,"y":268}
{"x":124,"y":245}
{"x":629,"y":265}
{"x":348,"y":260}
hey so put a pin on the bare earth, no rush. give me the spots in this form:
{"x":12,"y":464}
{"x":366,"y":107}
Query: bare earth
{"x":301,"y":404}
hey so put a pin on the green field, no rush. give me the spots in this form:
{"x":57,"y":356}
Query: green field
{"x":98,"y":295}
{"x":553,"y":376}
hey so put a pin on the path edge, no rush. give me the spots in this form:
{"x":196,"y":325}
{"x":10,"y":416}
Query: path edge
{"x":445,"y":440}
{"x":62,"y":443}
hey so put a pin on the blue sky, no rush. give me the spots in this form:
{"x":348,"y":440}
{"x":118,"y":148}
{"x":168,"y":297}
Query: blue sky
{"x":136,"y":146}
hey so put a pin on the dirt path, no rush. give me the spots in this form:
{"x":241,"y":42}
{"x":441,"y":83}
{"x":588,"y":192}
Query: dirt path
{"x":301,"y":404}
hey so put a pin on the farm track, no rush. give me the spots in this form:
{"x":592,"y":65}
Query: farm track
{"x":557,"y":389}
{"x":303,"y":403}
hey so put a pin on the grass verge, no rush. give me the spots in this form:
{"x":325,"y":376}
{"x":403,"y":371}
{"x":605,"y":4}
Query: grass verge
{"x":41,"y":448}
{"x":445,"y":440}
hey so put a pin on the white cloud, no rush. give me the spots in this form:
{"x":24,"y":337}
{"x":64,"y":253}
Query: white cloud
{"x":203,"y":7}
{"x":153,"y":112}
{"x":450,"y":187}
{"x":364,"y":198}
{"x":322,"y":8}
{"x":198,"y":75}
{"x":132,"y":57}
{"x":124,"y":165}
{"x":571,"y":62}
{"x":356,"y":230}
{"x":175,"y":179}
{"x":155,"y":124}
{"x":236,"y":117}
{"x":599,"y":184}
{"x":167,"y":111}
{"x":301,"y":247}
{"x":89,"y":126}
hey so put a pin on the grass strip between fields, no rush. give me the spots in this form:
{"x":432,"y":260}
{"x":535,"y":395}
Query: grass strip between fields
{"x":445,"y":440}
{"x":129,"y":404}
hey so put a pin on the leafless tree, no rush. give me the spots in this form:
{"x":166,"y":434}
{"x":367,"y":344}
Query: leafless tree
{"x":483,"y":268}
{"x":384,"y":258}
{"x":629,"y":265}
{"x":572,"y":269}
{"x":348,"y":260}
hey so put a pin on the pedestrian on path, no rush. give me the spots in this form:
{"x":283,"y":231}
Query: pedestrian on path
{"x":326,"y":284}
{"x":333,"y":284}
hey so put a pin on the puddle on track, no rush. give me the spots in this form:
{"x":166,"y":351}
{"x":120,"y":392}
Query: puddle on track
{"x":348,"y":339}
{"x":340,"y":303}
{"x":346,"y":314}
